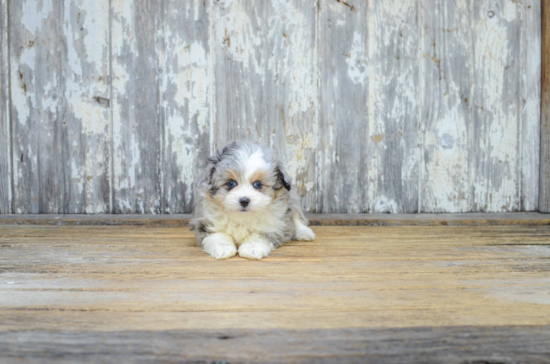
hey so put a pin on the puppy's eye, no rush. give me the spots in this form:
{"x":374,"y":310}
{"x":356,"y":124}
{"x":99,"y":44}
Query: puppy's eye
{"x":231,"y":183}
{"x":257,"y":185}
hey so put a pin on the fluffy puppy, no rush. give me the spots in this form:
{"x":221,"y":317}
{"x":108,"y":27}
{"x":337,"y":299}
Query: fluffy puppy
{"x":244,"y":201}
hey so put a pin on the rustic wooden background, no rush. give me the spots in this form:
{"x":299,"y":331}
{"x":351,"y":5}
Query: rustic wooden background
{"x":376,"y":106}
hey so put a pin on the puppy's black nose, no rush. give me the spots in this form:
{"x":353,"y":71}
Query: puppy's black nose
{"x":244,"y":201}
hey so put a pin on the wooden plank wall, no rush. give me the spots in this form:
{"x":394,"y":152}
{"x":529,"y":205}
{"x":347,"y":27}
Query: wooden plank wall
{"x":112,"y":106}
{"x":5,"y":167}
{"x":544,"y":202}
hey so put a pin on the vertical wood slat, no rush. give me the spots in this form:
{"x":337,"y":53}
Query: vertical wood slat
{"x":185,"y":57}
{"x":86,"y":106}
{"x":5,"y":135}
{"x":446,"y":57}
{"x":59,"y":89}
{"x":135,"y":29}
{"x":530,"y":106}
{"x":495,"y":137}
{"x":343,"y":122}
{"x":35,"y":73}
{"x":291,"y":91}
{"x":239,"y":74}
{"x":266,"y":81}
{"x":394,"y":139}
{"x":544,"y":196}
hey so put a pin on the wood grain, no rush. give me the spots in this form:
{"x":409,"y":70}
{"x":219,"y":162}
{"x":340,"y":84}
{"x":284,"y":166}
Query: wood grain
{"x":447,"y":125}
{"x":266,"y":82}
{"x":495,"y":137}
{"x":501,"y":344}
{"x":530,"y":103}
{"x":292,"y":91}
{"x":5,"y":128}
{"x":380,"y":106}
{"x":434,"y":290}
{"x":186,"y":92}
{"x":86,"y":101}
{"x":136,"y":130}
{"x":343,"y":176}
{"x":37,"y":108}
{"x":393,"y":59}
{"x":544,"y":196}
{"x":60,"y":100}
{"x":240,"y":71}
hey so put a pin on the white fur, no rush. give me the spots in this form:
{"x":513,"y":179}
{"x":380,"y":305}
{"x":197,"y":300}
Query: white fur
{"x":219,"y":246}
{"x":255,"y":247}
{"x":255,"y":163}
{"x":303,"y":233}
{"x":240,"y":225}
{"x":258,"y":201}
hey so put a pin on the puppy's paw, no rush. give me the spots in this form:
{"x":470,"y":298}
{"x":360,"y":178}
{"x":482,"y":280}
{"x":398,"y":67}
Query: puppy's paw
{"x":304,"y":234}
{"x":219,"y":247}
{"x":254,"y":250}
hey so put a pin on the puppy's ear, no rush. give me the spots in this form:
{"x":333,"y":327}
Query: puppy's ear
{"x":283,"y":179}
{"x":210,"y":169}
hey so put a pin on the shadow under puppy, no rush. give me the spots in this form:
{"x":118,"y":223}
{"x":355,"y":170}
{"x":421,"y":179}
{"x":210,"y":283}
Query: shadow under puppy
{"x":244,"y":201}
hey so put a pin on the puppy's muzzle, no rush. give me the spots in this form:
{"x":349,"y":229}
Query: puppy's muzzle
{"x":244,"y":201}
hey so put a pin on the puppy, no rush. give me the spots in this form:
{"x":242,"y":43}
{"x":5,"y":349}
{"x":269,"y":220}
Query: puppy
{"x":244,"y":202}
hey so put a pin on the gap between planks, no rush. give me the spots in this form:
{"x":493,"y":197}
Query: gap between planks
{"x":462,"y":219}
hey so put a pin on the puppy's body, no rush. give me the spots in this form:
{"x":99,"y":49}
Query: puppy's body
{"x":244,"y":201}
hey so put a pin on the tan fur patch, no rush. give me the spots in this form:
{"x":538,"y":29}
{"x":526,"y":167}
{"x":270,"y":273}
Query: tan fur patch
{"x":232,"y":175}
{"x":259,"y":176}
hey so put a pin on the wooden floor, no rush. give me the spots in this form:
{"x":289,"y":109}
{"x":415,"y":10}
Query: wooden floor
{"x":394,"y":294}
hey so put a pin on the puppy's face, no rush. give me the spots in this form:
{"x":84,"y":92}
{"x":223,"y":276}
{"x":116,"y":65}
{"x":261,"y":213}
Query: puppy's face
{"x":245,"y":181}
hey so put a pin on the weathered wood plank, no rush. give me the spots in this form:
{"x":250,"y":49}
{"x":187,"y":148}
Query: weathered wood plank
{"x":5,"y":132}
{"x":266,"y":82}
{"x":500,"y":273}
{"x":239,"y":71}
{"x":446,"y":124}
{"x":530,"y":105}
{"x":393,"y":106}
{"x":136,"y":134}
{"x":86,"y":107}
{"x":60,"y":93}
{"x":495,"y":138}
{"x":186,"y":90}
{"x":343,"y":176}
{"x":36,"y":90}
{"x":292,"y":90}
{"x":466,"y":344}
{"x":149,"y":293}
{"x":544,"y":191}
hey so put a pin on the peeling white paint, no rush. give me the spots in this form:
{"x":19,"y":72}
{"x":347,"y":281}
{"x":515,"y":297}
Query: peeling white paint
{"x":497,"y":188}
{"x":356,"y":60}
{"x":34,"y":13}
{"x":240,"y":34}
{"x":193,"y":83}
{"x":290,"y":65}
{"x":393,"y":102}
{"x":385,"y":205}
{"x":274,"y":51}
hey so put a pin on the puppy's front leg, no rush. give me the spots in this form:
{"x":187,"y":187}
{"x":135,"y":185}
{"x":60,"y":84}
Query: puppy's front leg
{"x":255,"y":246}
{"x":303,"y":233}
{"x":219,"y":246}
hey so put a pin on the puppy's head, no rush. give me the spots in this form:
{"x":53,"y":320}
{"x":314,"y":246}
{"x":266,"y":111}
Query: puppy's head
{"x":245,"y":178}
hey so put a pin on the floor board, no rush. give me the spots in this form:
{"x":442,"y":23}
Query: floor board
{"x":355,"y":294}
